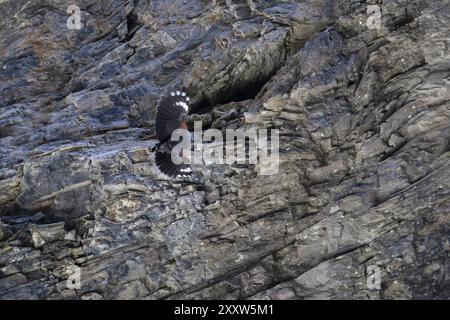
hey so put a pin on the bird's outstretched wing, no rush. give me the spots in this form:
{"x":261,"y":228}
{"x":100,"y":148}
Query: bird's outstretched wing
{"x":171,"y":114}
{"x":165,"y":164}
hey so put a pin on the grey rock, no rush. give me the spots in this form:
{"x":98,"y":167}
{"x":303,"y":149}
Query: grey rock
{"x":363,"y":182}
{"x":43,"y":234}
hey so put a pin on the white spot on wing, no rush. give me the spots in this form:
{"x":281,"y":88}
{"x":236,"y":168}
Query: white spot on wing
{"x":178,"y":93}
{"x":172,"y":94}
{"x":184,"y":105}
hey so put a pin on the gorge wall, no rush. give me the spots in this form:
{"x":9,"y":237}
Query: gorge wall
{"x":363,"y":181}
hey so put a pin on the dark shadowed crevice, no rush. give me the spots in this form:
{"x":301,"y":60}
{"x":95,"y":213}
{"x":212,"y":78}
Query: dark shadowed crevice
{"x":250,"y":89}
{"x":206,"y":104}
{"x":133,"y":25}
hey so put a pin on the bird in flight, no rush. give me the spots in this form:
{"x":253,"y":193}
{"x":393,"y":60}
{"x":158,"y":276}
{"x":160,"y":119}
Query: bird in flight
{"x":171,"y":114}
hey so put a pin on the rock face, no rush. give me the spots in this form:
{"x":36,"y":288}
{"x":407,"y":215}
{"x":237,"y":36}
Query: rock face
{"x":362,"y":193}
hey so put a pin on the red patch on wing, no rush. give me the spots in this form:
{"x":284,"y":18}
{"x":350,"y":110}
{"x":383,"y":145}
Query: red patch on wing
{"x":183,"y":125}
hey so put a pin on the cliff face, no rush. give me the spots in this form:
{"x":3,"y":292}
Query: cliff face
{"x":362,"y":192}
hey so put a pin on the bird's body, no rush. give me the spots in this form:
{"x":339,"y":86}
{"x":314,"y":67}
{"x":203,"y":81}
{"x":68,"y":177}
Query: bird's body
{"x":171,"y":115}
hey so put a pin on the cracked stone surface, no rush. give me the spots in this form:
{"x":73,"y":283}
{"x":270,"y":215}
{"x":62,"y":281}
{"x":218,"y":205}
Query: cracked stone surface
{"x":364,"y":172}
